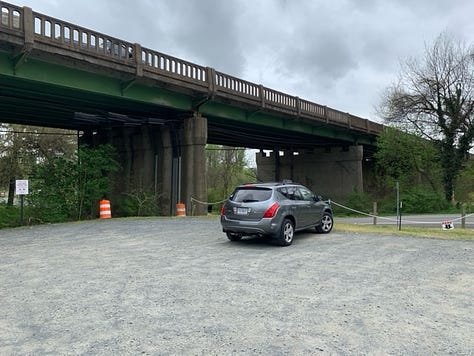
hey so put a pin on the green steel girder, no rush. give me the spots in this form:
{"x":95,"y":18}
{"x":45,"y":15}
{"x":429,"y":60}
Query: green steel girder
{"x":59,"y":78}
{"x":48,"y":94}
{"x":281,"y":123}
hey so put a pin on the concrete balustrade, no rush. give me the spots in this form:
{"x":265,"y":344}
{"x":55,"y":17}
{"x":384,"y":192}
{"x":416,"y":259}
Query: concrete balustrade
{"x":10,"y":18}
{"x":156,"y":61}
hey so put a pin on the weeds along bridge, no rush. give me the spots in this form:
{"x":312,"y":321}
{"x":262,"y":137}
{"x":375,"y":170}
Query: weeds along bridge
{"x":160,"y":111}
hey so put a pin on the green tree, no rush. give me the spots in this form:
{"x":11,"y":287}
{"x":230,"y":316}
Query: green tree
{"x":69,"y":189}
{"x":465,"y":186}
{"x":53,"y":190}
{"x":22,"y":147}
{"x":10,"y":164}
{"x":226,"y":168}
{"x":408,"y":159}
{"x":94,"y":177}
{"x":435,"y":98}
{"x":414,"y":163}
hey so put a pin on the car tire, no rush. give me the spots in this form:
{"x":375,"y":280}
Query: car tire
{"x":232,"y":236}
{"x":327,"y":222}
{"x":287,"y":232}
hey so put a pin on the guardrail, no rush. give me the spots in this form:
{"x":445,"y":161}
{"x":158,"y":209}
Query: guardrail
{"x":40,"y":28}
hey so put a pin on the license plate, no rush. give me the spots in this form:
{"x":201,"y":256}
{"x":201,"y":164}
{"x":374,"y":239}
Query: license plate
{"x":242,"y":211}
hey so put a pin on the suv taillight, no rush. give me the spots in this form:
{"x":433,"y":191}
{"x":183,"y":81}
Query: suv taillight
{"x":223,"y":209}
{"x":270,"y":213}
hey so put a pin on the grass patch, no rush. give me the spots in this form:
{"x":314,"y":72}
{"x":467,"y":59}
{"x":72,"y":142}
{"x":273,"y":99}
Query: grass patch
{"x":435,"y":233}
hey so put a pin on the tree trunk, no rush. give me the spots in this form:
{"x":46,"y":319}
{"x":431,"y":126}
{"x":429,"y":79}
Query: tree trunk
{"x":11,"y":191}
{"x":448,"y":187}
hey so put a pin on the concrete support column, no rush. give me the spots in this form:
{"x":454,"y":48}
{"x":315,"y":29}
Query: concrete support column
{"x":277,"y":165}
{"x":166,"y":173}
{"x":153,"y":163}
{"x":145,"y":161}
{"x":194,"y":182}
{"x":200,"y":174}
{"x":334,"y":172}
{"x":187,"y":182}
{"x":126,"y":154}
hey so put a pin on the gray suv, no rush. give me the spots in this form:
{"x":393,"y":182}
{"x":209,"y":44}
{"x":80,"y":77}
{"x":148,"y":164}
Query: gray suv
{"x":276,"y":210}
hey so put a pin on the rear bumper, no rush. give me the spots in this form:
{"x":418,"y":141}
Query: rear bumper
{"x":261,"y":227}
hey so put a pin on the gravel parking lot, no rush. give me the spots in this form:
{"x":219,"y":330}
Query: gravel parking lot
{"x":177,"y":286}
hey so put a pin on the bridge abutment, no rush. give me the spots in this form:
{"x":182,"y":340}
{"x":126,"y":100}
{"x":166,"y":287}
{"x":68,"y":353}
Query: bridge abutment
{"x":334,"y":172}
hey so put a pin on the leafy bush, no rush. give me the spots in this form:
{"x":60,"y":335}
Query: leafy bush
{"x":94,"y":177}
{"x":9,"y":216}
{"x":53,"y":195}
{"x":418,"y":200}
{"x":215,"y":196}
{"x":359,"y":201}
{"x":139,"y":202}
{"x":421,"y":201}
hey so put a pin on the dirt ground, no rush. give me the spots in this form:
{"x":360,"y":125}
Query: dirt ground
{"x":169,"y":286}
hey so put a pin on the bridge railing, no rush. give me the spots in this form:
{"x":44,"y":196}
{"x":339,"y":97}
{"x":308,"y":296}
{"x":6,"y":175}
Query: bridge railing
{"x":162,"y":63}
{"x":44,"y":29}
{"x":232,"y":85}
{"x":282,"y":102}
{"x":57,"y":32}
{"x":313,"y":109}
{"x":11,"y":17}
{"x":278,"y":100}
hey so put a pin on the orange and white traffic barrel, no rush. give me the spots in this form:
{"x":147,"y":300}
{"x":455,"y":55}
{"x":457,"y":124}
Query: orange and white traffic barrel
{"x":180,"y":209}
{"x":104,"y":209}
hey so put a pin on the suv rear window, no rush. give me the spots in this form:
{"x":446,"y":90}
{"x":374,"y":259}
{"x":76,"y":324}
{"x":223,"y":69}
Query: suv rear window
{"x":251,"y":194}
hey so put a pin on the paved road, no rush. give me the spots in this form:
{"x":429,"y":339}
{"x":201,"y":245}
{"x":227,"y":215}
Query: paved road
{"x":434,"y":220}
{"x":178,"y":287}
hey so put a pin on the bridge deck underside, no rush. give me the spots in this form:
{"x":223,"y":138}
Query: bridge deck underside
{"x":33,"y":103}
{"x":58,"y":95}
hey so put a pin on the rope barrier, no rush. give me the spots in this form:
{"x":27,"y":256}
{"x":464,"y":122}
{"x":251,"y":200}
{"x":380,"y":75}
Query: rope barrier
{"x":465,"y":216}
{"x":206,"y":203}
{"x":358,"y":212}
{"x":361,"y":212}
{"x":394,"y":220}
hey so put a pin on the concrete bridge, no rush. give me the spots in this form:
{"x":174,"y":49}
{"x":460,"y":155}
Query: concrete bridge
{"x":160,"y":111}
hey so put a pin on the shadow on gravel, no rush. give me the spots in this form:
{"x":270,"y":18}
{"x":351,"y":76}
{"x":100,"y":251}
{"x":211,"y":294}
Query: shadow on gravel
{"x":249,"y":241}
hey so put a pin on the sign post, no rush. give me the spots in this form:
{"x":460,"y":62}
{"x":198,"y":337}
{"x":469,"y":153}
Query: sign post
{"x":21,"y":189}
{"x":399,"y":219}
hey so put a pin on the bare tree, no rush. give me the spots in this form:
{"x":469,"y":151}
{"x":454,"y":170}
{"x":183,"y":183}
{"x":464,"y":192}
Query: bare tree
{"x":435,"y":99}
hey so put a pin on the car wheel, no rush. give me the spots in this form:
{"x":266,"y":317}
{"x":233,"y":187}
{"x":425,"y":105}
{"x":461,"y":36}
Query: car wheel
{"x":326,"y":224}
{"x":232,"y":236}
{"x":287,"y":232}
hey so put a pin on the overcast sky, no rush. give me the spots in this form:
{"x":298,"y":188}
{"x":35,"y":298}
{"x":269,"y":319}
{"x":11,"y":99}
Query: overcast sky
{"x":339,"y":53}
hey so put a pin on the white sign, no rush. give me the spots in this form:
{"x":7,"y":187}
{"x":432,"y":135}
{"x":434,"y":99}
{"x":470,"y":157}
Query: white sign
{"x":447,"y":225}
{"x":21,"y":187}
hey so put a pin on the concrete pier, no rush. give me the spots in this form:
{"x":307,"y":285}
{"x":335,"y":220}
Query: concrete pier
{"x":169,"y":164}
{"x":334,"y":172}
